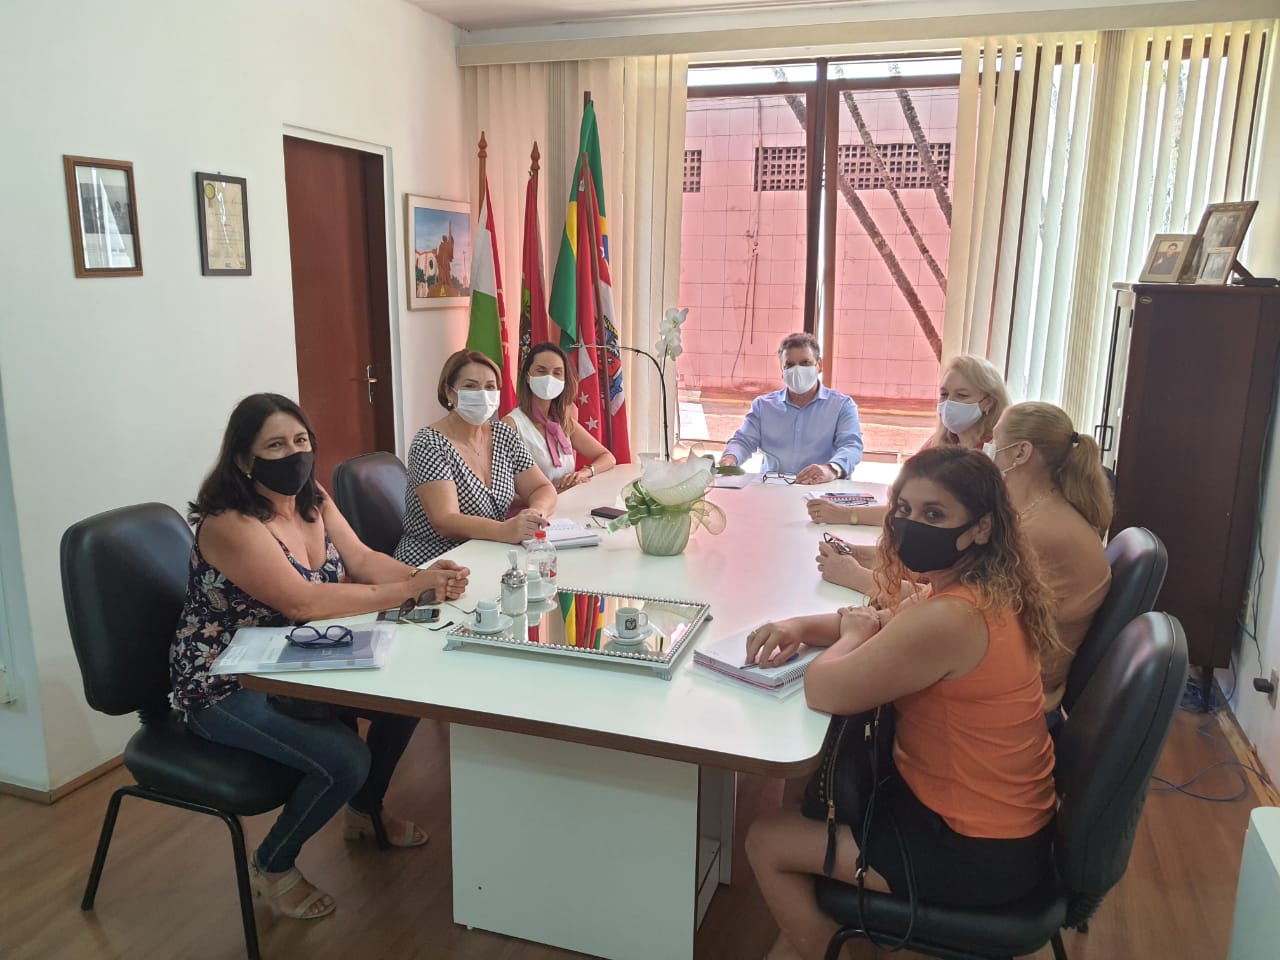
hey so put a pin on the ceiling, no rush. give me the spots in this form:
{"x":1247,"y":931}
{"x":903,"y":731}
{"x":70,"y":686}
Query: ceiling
{"x":497,"y":14}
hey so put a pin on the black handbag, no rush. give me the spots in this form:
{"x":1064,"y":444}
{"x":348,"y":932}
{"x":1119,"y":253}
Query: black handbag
{"x":857,"y":759}
{"x":856,"y":756}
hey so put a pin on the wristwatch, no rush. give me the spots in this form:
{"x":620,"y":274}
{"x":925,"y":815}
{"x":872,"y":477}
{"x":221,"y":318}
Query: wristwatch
{"x":592,"y":468}
{"x":838,"y":469}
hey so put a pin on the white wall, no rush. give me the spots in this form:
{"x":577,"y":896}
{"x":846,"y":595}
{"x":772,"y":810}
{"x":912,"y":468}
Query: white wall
{"x":116,"y":391}
{"x":1261,"y":255}
{"x":22,"y":748}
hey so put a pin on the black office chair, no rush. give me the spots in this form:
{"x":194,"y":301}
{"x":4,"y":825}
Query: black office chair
{"x":1139,"y":563}
{"x":124,"y":577}
{"x":1106,"y":755}
{"x":369,"y":490}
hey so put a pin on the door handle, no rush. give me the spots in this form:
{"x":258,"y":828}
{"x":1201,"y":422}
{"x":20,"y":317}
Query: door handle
{"x":370,"y":380}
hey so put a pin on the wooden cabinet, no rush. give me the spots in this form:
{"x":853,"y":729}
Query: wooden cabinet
{"x":1192,"y":397}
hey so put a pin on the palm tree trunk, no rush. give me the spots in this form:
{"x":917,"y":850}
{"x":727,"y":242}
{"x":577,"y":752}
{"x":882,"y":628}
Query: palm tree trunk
{"x":869,"y":142}
{"x":868,"y":222}
{"x":923,"y":148}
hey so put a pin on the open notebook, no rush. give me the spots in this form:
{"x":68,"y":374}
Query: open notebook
{"x":727,"y":654}
{"x":566,"y":534}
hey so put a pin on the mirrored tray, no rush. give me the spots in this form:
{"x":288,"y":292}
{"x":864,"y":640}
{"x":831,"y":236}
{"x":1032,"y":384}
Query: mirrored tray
{"x":583,"y":624}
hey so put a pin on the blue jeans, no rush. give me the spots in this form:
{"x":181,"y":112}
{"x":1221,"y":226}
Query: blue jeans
{"x":337,"y":766}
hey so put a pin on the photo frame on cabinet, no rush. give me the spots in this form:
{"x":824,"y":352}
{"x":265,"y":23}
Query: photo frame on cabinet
{"x":222,"y":206}
{"x":1222,"y":226}
{"x":1216,"y":268}
{"x":1167,"y":257}
{"x":438,"y":253}
{"x":103,"y":210}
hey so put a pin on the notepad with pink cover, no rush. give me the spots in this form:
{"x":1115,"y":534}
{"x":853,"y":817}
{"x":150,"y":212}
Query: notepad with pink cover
{"x":728,"y":654}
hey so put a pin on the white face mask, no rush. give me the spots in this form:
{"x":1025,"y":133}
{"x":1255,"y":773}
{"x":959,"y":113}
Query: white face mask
{"x":958,"y":417}
{"x":990,"y":449}
{"x":800,"y":379}
{"x":477,"y":406}
{"x":546,"y":388}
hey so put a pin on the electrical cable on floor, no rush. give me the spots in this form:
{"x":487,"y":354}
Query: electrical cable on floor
{"x":1170,"y":786}
{"x":1193,"y":702}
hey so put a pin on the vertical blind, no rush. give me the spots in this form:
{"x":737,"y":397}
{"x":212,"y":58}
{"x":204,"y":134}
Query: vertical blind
{"x":1074,"y":150}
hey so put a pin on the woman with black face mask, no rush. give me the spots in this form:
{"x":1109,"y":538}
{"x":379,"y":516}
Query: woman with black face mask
{"x":271,"y":550}
{"x":965,"y":815}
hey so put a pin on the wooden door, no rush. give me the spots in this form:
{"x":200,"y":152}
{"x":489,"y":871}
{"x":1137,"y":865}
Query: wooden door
{"x":338,"y":249}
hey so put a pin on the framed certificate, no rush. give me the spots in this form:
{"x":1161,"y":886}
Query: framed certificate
{"x":104,"y":217}
{"x":223,"y":207}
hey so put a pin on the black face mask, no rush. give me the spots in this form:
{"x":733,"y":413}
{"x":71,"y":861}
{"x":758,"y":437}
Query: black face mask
{"x":287,"y":475}
{"x":924,"y":548}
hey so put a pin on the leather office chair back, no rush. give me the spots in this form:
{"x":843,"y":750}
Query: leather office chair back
{"x":1139,"y":563}
{"x":1107,"y":753}
{"x":124,"y":579}
{"x":370,"y":492}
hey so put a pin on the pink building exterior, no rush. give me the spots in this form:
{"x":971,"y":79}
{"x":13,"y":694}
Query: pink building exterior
{"x":743,"y":250}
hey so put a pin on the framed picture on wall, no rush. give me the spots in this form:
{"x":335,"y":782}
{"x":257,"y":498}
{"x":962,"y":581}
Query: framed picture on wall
{"x":104,"y":217}
{"x":222,"y":205}
{"x":1167,"y":257}
{"x":438,"y":252}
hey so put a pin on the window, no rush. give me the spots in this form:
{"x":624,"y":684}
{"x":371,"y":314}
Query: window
{"x":771,"y":246}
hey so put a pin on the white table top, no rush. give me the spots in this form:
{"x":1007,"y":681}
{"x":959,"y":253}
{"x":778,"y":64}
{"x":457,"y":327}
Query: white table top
{"x":761,"y":567}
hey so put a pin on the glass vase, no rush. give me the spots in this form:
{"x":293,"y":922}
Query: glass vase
{"x":664,"y":536}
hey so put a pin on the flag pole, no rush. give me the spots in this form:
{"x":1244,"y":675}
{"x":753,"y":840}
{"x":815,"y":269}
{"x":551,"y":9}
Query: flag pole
{"x":604,"y":383}
{"x":483,"y":153}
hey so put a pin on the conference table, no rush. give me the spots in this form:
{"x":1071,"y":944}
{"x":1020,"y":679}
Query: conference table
{"x":593,"y":807}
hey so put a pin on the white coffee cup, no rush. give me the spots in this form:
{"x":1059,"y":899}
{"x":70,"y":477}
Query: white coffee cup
{"x":630,"y":622}
{"x":487,"y":614}
{"x":534,"y":583}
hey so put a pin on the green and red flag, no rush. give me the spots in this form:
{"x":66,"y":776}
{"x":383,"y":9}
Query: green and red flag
{"x":582,"y":291}
{"x":488,"y":331}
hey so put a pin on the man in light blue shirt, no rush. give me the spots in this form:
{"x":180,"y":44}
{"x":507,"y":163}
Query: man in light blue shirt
{"x":805,"y":429}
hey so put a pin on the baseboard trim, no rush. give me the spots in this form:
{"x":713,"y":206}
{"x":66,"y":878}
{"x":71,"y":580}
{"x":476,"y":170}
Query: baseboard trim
{"x":49,"y":797}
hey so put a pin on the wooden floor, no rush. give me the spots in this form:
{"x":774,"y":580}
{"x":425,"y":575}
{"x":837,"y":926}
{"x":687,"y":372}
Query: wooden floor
{"x":168,"y":890}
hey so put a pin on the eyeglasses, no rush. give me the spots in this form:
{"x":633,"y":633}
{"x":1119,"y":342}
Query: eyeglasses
{"x":840,"y":546}
{"x":334,"y":635}
{"x":787,"y":478}
{"x":426,"y":598}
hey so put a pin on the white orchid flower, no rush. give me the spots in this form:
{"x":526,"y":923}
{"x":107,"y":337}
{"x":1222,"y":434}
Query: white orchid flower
{"x":670,"y":340}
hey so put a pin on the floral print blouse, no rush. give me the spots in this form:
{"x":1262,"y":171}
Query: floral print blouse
{"x":214,"y":610}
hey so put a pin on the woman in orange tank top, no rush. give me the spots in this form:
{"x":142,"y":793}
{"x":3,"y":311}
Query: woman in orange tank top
{"x":966,"y":815}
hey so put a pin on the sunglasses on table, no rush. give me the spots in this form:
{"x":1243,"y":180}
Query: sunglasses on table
{"x":334,"y":635}
{"x":787,"y":478}
{"x":839,"y":545}
{"x":419,"y":609}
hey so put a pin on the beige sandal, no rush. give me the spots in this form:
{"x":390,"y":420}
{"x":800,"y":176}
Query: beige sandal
{"x":360,"y":825}
{"x":272,"y":890}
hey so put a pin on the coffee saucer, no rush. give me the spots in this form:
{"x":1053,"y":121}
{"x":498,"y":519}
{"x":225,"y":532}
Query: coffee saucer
{"x":504,"y":624}
{"x":612,"y":633}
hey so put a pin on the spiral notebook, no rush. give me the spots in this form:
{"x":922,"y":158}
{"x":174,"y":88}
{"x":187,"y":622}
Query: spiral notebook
{"x":727,"y":655}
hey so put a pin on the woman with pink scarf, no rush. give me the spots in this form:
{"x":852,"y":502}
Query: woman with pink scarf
{"x":546,"y":418}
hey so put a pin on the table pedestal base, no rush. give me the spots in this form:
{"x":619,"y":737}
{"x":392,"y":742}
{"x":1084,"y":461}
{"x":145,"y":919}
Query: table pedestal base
{"x":608,"y":853}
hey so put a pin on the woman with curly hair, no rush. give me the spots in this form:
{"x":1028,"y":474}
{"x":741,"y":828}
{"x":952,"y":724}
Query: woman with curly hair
{"x":955,"y":648}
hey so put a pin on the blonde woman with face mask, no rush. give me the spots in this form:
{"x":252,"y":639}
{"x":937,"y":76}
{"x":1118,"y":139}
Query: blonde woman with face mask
{"x":1063,"y":499}
{"x":971,"y":398}
{"x":466,"y":469}
{"x":546,"y":417}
